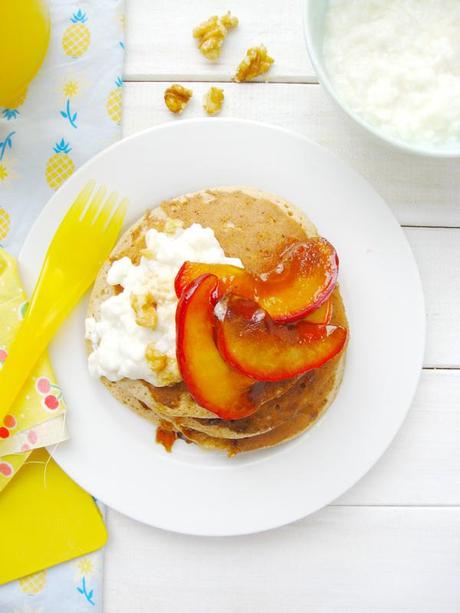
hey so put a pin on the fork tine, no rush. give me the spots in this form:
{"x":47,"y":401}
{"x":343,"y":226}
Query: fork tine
{"x":79,"y":204}
{"x":106,"y":210}
{"x":116,"y":221}
{"x":92,"y":210}
{"x":110,"y":233}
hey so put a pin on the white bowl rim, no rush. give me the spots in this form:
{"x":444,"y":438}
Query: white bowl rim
{"x":327,"y":84}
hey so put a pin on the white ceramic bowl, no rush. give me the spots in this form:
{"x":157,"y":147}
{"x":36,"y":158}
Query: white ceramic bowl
{"x":314,"y":17}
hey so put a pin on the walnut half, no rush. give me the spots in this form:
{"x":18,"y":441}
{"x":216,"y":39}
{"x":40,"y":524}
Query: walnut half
{"x":213,"y":100}
{"x":211,"y":34}
{"x":177,"y":97}
{"x":256,"y":63}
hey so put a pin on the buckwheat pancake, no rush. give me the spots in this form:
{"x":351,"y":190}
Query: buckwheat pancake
{"x":253,"y":226}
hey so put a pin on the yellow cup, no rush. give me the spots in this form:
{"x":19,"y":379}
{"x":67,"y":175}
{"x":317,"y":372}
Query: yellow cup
{"x":24,"y":38}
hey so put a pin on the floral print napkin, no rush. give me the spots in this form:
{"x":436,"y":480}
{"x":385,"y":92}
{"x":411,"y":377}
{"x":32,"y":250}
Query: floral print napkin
{"x":71,"y":111}
{"x":37,"y":418}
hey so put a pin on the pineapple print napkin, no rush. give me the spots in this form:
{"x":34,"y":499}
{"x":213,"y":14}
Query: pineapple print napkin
{"x":71,"y":111}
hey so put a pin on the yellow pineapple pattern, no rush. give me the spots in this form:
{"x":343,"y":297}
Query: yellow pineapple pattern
{"x":33,"y":584}
{"x":5,"y":222}
{"x":77,"y":37}
{"x":4,"y":174}
{"x":60,"y":165}
{"x":113,"y":104}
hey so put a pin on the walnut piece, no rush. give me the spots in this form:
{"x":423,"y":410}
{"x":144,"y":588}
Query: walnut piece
{"x":156,"y":360}
{"x":256,"y":62}
{"x":213,"y":100}
{"x":177,"y":97}
{"x":144,"y":307}
{"x":170,"y":374}
{"x":164,"y":366}
{"x":211,"y":34}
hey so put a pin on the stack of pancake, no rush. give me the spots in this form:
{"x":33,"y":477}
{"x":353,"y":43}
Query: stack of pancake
{"x":253,"y":226}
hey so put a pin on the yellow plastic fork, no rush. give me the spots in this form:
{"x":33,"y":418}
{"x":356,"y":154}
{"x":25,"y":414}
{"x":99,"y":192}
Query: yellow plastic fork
{"x":82,"y":242}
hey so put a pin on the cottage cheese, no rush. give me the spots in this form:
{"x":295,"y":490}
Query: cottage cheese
{"x":397,"y":64}
{"x":119,"y":343}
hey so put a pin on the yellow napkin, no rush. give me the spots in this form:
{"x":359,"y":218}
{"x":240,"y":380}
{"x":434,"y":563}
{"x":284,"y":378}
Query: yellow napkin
{"x":37,"y":419}
{"x":49,"y":520}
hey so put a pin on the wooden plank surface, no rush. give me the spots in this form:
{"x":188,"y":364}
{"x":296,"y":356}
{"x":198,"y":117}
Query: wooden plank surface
{"x":436,"y":249}
{"x":160,"y":45}
{"x":420,"y":191}
{"x":390,"y":544}
{"x":341,"y":560}
{"x":422,"y":464}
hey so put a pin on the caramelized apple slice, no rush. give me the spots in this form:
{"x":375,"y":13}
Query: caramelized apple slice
{"x":230,"y":277}
{"x":323,"y":315}
{"x":301,"y":282}
{"x":213,"y":383}
{"x":253,"y":343}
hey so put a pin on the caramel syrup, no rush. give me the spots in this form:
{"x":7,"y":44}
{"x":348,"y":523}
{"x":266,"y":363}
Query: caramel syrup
{"x":166,"y":436}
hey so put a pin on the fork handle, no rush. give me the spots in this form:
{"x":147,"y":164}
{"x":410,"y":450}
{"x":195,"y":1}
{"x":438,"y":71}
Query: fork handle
{"x":31,"y":340}
{"x":23,"y":353}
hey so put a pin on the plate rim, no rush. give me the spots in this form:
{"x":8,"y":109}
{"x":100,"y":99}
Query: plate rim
{"x":420,"y":301}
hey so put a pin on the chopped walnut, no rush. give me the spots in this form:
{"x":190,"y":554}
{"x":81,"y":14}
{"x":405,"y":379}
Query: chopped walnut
{"x":211,"y":34}
{"x":256,"y":62}
{"x":144,"y":307}
{"x":164,"y":366}
{"x":213,"y":100}
{"x":172,"y":225}
{"x":170,"y":374}
{"x":177,"y":97}
{"x":156,"y":360}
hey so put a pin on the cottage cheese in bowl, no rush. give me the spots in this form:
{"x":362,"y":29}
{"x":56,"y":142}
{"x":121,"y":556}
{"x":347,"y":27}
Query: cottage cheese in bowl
{"x":396,"y":65}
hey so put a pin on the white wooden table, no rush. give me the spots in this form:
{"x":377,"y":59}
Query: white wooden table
{"x":392,"y":543}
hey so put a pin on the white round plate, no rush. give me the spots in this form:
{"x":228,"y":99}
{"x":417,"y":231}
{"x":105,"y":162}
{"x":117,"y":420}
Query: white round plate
{"x":112,"y":452}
